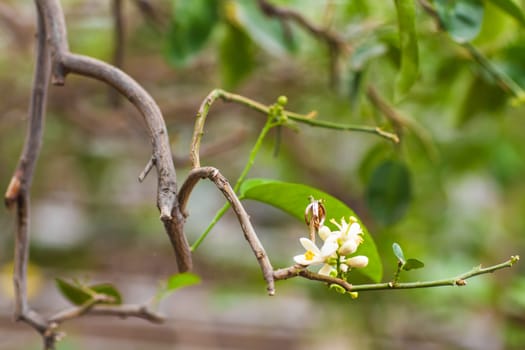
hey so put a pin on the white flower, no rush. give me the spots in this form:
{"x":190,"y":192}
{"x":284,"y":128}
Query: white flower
{"x":316,"y":256}
{"x":358,"y":261}
{"x":349,"y":235}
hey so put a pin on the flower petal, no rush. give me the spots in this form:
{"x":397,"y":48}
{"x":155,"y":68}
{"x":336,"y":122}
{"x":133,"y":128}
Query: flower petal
{"x":329,"y":247}
{"x":309,"y":245}
{"x":355,"y":229}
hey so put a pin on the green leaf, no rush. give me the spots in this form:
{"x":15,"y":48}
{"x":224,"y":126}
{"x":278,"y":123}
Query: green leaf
{"x":190,"y":27}
{"x":293,"y":199}
{"x":408,"y":74}
{"x":72,"y":292}
{"x":182,"y":280}
{"x":177,"y":281}
{"x":389,"y":192}
{"x":413,"y":264}
{"x":462,"y":19}
{"x":398,"y":252}
{"x":267,"y":32}
{"x":237,"y":56}
{"x":510,"y":8}
{"x":109,"y":290}
{"x":79,"y":294}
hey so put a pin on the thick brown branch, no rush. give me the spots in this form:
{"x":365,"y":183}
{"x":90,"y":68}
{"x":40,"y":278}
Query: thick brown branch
{"x":249,"y":233}
{"x":65,"y":62}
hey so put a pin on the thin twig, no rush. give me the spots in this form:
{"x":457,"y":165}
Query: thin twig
{"x":225,"y":144}
{"x":460,"y":280}
{"x":204,"y":108}
{"x":399,"y":122}
{"x":18,"y":192}
{"x":302,"y":271}
{"x":249,"y":233}
{"x":147,"y":169}
{"x":337,"y":45}
{"x":123,"y":311}
{"x":331,"y":37}
{"x":118,"y":45}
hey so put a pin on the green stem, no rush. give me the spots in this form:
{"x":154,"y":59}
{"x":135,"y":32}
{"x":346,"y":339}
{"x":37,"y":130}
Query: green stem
{"x":305,"y":119}
{"x":251,"y":160}
{"x":459,"y":280}
{"x":398,"y":272}
{"x":501,"y":78}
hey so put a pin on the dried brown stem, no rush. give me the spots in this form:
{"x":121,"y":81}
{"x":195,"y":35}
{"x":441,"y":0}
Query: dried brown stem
{"x":399,"y":122}
{"x":249,"y":233}
{"x":55,"y":61}
{"x":118,"y":46}
{"x":65,"y":62}
{"x":302,"y":271}
{"x":331,"y":37}
{"x":337,"y":45}
{"x":94,"y":308}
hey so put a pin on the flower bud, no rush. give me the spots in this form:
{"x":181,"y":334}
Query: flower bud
{"x":359,"y":261}
{"x":349,"y":247}
{"x":324,"y":232}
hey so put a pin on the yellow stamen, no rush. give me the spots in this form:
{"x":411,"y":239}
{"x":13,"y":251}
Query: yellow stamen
{"x":309,"y":255}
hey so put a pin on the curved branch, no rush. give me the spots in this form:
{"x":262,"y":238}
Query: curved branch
{"x":216,"y":94}
{"x":65,"y":62}
{"x":249,"y":233}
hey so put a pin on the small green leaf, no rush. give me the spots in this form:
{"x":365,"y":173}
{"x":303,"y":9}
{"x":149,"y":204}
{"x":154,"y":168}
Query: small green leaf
{"x":72,"y":292}
{"x":181,"y":280}
{"x":408,"y":74}
{"x":109,"y":290}
{"x":413,"y":264}
{"x":389,"y":192}
{"x":511,"y":8}
{"x":398,"y":252}
{"x":267,"y":32}
{"x":190,"y":27}
{"x":462,"y":19}
{"x":79,"y":294}
{"x":293,"y":199}
{"x":177,"y":281}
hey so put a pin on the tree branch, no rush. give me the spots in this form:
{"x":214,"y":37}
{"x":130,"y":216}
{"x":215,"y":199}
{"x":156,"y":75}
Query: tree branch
{"x":460,"y":280}
{"x":65,"y":62}
{"x":216,"y":94}
{"x":249,"y":233}
{"x":18,"y":191}
{"x":93,"y":307}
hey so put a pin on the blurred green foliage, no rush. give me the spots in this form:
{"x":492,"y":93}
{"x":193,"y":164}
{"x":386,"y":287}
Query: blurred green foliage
{"x":454,"y":209}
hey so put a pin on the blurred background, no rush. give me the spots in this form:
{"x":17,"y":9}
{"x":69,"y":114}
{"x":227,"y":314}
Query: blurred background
{"x":452,"y":193}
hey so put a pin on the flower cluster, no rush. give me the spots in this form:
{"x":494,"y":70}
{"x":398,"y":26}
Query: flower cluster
{"x":336,"y":252}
